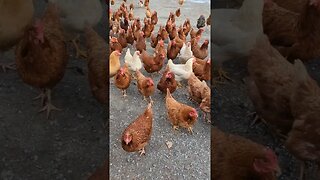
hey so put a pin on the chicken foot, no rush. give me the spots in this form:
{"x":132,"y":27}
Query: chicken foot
{"x":190,"y":130}
{"x":41,"y":96}
{"x":302,"y":167}
{"x":6,"y":66}
{"x":124,"y":93}
{"x":142,"y":151}
{"x":223,"y":75}
{"x":79,"y":53}
{"x":49,"y":106}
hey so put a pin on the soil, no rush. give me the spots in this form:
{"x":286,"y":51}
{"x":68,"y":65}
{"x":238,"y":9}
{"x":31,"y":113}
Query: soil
{"x":71,"y":144}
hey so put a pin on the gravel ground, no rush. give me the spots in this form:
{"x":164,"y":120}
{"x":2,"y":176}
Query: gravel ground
{"x":68,"y":146}
{"x":189,"y":157}
{"x":232,"y":105}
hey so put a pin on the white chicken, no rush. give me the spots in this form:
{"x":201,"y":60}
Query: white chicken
{"x":181,"y":71}
{"x":75,"y":14}
{"x":236,"y":31}
{"x":134,"y":62}
{"x":185,"y":52}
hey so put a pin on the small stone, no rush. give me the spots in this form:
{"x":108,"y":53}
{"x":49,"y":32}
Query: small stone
{"x":169,"y":144}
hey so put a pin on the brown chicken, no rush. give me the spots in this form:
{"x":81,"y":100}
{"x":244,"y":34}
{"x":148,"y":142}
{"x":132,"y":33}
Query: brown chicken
{"x":247,"y":159}
{"x":148,"y":28}
{"x":296,"y":6}
{"x":178,"y":12}
{"x":141,"y":42}
{"x":305,"y":32}
{"x":180,"y":114}
{"x":202,"y":69}
{"x":145,"y":86}
{"x":167,"y":81}
{"x":130,"y":36}
{"x":101,"y":173}
{"x":169,"y":26}
{"x":200,"y":52}
{"x":115,"y":45}
{"x":200,"y":93}
{"x":154,"y":18}
{"x":208,"y":21}
{"x":173,"y":33}
{"x":154,"y":40}
{"x":163,"y":33}
{"x":122,"y":39}
{"x":172,"y":50}
{"x":41,"y":56}
{"x":114,"y":63}
{"x":15,"y":19}
{"x":194,"y":33}
{"x":137,"y":135}
{"x":303,"y":139}
{"x":160,"y":48}
{"x":270,"y":85}
{"x":97,"y":65}
{"x":152,"y":63}
{"x":186,"y":26}
{"x":123,"y":79}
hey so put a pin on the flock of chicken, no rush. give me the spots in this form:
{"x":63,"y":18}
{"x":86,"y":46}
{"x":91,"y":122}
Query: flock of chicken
{"x":41,"y":54}
{"x":127,"y":31}
{"x":275,"y":36}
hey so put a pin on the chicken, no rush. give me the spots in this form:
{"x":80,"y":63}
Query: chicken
{"x":303,"y":139}
{"x":202,"y":69}
{"x":169,"y":26}
{"x":154,"y":40}
{"x":141,"y":42}
{"x":125,"y":23}
{"x":148,"y":12}
{"x":296,"y":6}
{"x":15,"y":19}
{"x":167,"y":81}
{"x":200,"y":93}
{"x":235,"y":32}
{"x":247,"y":159}
{"x":114,"y":63}
{"x":148,"y":28}
{"x":270,"y":85}
{"x":101,"y":173}
{"x":137,"y":135}
{"x":41,"y":55}
{"x":145,"y":86}
{"x":160,"y":48}
{"x":308,"y":35}
{"x":201,"y":22}
{"x":152,"y":63}
{"x":97,"y":64}
{"x":200,"y":52}
{"x":163,"y":33}
{"x":208,"y":21}
{"x":186,"y":26}
{"x":154,"y":18}
{"x":181,"y":2}
{"x":146,"y":3}
{"x":185,"y":52}
{"x":178,"y":12}
{"x":179,"y":114}
{"x":123,"y":79}
{"x":134,"y":62}
{"x":181,"y":71}
{"x":194,"y":33}
{"x":172,"y":50}
{"x":130,"y":36}
{"x":74,"y":18}
{"x":122,"y":39}
{"x":280,"y":24}
{"x":173,"y":33}
{"x":131,"y":15}
{"x":115,"y":44}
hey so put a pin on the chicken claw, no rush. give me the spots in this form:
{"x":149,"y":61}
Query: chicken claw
{"x":124,"y":93}
{"x":6,"y":66}
{"x":151,"y":101}
{"x":142,"y":151}
{"x":179,"y":85}
{"x":49,"y":107}
{"x":79,"y":53}
{"x":223,"y":75}
{"x":41,"y":96}
{"x":190,"y":130}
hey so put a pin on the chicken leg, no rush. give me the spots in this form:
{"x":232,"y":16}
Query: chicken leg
{"x":79,"y":53}
{"x":124,"y":93}
{"x":41,"y":96}
{"x":49,"y":106}
{"x":190,"y":130}
{"x":302,"y":166}
{"x":223,"y":75}
{"x":6,"y":66}
{"x":142,"y":151}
